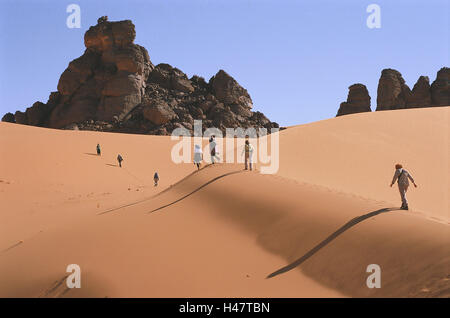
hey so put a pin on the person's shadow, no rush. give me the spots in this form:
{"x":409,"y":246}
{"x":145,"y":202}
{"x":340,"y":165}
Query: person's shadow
{"x":110,"y":164}
{"x":322,"y":244}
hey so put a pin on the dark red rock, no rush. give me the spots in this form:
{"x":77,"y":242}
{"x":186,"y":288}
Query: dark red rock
{"x":158,"y":112}
{"x":440,"y":89}
{"x":228,"y":91}
{"x":358,"y":101}
{"x":21,"y":118}
{"x":171,"y":78}
{"x":114,"y":86}
{"x":420,"y":95}
{"x":392,"y":90}
{"x":9,"y":118}
{"x":37,"y":114}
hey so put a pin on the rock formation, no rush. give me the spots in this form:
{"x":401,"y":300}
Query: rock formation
{"x":393,"y":93}
{"x":358,"y":100}
{"x":420,"y":95}
{"x":114,"y":86}
{"x":440,"y":89}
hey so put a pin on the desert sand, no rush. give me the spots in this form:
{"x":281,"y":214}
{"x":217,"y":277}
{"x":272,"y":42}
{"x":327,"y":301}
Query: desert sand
{"x":310,"y":230}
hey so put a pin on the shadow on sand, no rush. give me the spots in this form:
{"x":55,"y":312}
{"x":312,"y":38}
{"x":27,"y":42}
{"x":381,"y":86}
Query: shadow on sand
{"x":322,"y":244}
{"x":110,"y":164}
{"x":91,"y":154}
{"x":149,"y":198}
{"x":11,"y":247}
{"x":198,"y":189}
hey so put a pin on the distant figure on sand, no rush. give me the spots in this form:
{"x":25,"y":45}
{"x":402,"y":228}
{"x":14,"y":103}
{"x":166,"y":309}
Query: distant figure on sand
{"x":213,"y":148}
{"x":119,"y":159}
{"x":198,"y":156}
{"x":248,"y":150}
{"x":402,"y":176}
{"x":156,"y":178}
{"x":99,"y":152}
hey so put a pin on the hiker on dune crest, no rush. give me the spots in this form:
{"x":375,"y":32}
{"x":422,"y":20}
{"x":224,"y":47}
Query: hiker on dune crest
{"x":198,"y":156}
{"x":248,"y":151}
{"x":99,"y":152}
{"x":402,"y":176}
{"x":212,"y":148}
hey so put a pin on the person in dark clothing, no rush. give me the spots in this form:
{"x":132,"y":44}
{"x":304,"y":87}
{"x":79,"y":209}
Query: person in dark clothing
{"x":212,"y":148}
{"x":99,"y":152}
{"x":119,"y":159}
{"x":156,"y":178}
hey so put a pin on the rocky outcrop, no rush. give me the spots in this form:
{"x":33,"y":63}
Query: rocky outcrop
{"x":440,"y":89}
{"x":114,"y":86}
{"x":358,"y":100}
{"x":228,"y":91}
{"x":420,"y":95}
{"x":171,"y":78}
{"x":107,"y":81}
{"x":392,"y":91}
{"x":9,"y":118}
{"x":35,"y":115}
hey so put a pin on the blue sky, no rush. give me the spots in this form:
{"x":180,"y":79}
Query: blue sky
{"x":295,"y":58}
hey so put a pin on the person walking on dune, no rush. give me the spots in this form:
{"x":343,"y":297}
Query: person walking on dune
{"x":156,"y":178}
{"x":248,"y":151}
{"x":119,"y":159}
{"x":212,"y":148}
{"x":402,"y":176}
{"x":198,"y":156}
{"x":99,"y":151}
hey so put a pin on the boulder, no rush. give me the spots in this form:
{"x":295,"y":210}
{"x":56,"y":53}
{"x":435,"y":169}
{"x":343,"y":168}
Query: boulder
{"x":117,"y":106}
{"x":241,"y":110}
{"x":171,"y":78}
{"x":127,"y":84}
{"x":261,"y":119}
{"x":228,"y":91}
{"x":131,"y":59}
{"x":158,"y":112}
{"x":105,"y":35}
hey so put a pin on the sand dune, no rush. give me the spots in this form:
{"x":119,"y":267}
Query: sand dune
{"x":357,"y":153}
{"x":220,"y":232}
